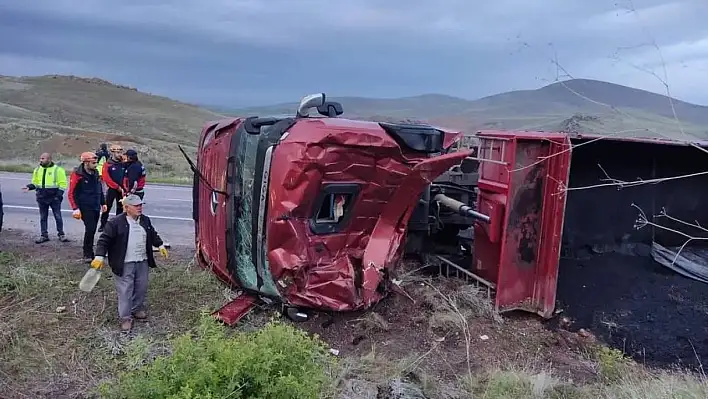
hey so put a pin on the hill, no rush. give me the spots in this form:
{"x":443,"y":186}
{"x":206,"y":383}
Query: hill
{"x":550,"y":108}
{"x":67,"y":115}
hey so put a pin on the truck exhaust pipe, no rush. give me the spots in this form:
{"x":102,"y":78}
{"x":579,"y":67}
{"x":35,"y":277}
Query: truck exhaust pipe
{"x":460,"y":207}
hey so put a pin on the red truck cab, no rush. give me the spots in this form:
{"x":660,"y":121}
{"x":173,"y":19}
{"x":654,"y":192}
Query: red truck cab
{"x":312,"y":211}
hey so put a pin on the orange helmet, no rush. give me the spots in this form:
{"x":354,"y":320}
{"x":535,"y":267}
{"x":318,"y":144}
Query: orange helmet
{"x":88,"y":156}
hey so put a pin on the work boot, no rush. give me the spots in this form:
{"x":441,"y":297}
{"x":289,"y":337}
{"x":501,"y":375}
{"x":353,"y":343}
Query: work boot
{"x":140,"y":315}
{"x":41,"y":240}
{"x":63,"y":238}
{"x":126,"y":325}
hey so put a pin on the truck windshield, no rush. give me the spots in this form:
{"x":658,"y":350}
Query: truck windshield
{"x":251,"y":260}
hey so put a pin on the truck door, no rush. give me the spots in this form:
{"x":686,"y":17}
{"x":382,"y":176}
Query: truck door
{"x":521,"y":187}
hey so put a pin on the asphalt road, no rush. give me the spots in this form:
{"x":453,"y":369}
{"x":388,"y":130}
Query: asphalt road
{"x":169,"y":207}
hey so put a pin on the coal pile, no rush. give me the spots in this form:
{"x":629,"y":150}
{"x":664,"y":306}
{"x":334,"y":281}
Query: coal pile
{"x":634,"y":304}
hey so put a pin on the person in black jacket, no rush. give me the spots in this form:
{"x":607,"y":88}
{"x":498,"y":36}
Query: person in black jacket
{"x":127,"y":240}
{"x":86,"y":199}
{"x":134,"y":181}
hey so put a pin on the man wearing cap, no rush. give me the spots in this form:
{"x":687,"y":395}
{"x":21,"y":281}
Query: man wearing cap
{"x":127,"y":240}
{"x":86,"y":199}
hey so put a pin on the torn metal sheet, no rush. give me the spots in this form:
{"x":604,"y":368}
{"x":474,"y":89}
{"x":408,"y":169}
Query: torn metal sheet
{"x":235,"y":310}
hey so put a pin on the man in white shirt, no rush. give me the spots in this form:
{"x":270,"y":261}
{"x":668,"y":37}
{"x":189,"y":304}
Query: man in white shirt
{"x":127,"y":240}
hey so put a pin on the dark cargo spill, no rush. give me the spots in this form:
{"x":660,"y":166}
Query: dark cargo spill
{"x":634,"y":304}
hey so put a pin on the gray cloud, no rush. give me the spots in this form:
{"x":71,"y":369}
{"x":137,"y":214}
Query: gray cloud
{"x":241,"y":52}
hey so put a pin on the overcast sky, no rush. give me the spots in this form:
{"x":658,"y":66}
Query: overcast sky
{"x":252,"y":52}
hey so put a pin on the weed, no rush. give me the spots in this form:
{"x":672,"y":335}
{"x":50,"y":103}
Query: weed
{"x":612,"y":363}
{"x":277,"y":362}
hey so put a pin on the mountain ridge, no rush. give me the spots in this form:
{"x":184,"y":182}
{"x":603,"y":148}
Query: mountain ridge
{"x":69,"y":114}
{"x":611,"y":107}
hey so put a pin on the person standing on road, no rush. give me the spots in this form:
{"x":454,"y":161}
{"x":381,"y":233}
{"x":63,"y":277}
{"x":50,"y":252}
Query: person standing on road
{"x":128,"y":240}
{"x":102,"y":155}
{"x":113,"y":175}
{"x":134,"y":180}
{"x":49,"y":183}
{"x":87,"y":199}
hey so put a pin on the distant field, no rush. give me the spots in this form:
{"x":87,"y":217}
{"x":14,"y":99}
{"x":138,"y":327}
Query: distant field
{"x":68,"y":115}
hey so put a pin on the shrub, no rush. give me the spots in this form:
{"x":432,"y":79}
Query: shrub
{"x":612,"y":363}
{"x":278,"y":361}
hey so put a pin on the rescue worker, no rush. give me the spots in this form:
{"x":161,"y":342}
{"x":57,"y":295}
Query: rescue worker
{"x":49,"y":183}
{"x":102,"y":155}
{"x":127,"y":241}
{"x":134,"y":180}
{"x":113,"y":176}
{"x":87,"y":199}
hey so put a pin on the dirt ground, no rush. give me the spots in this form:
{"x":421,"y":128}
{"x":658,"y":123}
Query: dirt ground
{"x":57,"y":342}
{"x":636,"y":305}
{"x":425,"y":325}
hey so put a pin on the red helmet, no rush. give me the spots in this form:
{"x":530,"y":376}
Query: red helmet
{"x":88,"y":156}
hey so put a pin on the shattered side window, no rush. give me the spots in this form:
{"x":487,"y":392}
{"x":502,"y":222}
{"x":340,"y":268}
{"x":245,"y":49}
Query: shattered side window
{"x":247,"y":261}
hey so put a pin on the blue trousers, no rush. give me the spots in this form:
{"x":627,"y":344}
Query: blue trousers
{"x":55,"y":205}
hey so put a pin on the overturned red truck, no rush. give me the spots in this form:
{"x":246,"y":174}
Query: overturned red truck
{"x":315,"y":212}
{"x":312,"y":211}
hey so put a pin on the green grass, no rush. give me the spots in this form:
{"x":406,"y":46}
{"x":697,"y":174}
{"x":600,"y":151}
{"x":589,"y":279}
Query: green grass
{"x":56,"y":341}
{"x":17,"y":168}
{"x":278,"y":361}
{"x":634,"y":383}
{"x":52,"y":334}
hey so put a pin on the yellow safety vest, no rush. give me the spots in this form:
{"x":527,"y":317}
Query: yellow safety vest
{"x":99,"y":167}
{"x":51,"y":177}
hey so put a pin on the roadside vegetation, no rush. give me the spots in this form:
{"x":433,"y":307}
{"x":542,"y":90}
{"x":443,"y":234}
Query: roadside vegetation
{"x":56,"y":341}
{"x":175,"y":177}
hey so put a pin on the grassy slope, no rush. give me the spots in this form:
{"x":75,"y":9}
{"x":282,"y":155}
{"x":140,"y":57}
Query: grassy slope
{"x":68,"y":115}
{"x":56,"y":341}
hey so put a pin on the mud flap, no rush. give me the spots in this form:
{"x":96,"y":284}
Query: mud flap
{"x":234,"y":311}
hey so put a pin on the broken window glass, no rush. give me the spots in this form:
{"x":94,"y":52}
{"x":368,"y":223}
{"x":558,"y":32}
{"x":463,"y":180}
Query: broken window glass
{"x":332,"y":209}
{"x":252,"y":268}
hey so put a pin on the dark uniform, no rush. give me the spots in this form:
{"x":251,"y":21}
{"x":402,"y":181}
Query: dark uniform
{"x":86,"y":196}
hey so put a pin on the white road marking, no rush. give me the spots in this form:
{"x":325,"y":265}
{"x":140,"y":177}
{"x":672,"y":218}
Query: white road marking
{"x":168,"y":188}
{"x":179,"y":199}
{"x":34,"y":208}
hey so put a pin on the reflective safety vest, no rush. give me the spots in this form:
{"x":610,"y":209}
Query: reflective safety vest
{"x":53,"y":177}
{"x":99,"y":167}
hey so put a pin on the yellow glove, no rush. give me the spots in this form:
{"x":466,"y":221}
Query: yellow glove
{"x":163,"y":252}
{"x":76,"y":214}
{"x":97,"y":263}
